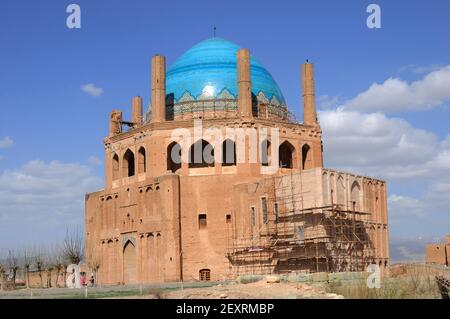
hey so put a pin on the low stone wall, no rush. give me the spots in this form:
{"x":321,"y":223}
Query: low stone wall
{"x":56,"y":280}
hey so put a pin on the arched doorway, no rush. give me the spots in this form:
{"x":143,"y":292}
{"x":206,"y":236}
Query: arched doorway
{"x":129,"y":263}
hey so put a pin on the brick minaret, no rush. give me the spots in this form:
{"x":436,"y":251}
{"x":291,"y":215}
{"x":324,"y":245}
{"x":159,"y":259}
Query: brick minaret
{"x":136,"y":110}
{"x":308,"y":95}
{"x":244,"y":83}
{"x":158,"y":88}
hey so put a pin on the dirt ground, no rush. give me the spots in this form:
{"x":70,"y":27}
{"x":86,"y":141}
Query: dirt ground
{"x":256,"y":290}
{"x":406,"y":281}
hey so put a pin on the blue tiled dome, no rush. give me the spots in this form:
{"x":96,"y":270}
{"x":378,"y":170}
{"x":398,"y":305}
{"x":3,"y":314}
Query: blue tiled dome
{"x":209,"y":69}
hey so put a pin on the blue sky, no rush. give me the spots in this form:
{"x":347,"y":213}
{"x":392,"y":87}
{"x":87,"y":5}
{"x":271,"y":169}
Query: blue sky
{"x":51,"y":131}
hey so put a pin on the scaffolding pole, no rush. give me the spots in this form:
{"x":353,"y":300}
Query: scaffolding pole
{"x":299,"y":239}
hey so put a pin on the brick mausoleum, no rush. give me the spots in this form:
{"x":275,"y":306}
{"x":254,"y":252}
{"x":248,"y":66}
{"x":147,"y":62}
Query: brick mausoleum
{"x":164,"y":215}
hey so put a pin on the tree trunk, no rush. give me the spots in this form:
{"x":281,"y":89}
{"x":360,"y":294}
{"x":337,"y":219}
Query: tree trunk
{"x":49,"y":279}
{"x":27,"y":277}
{"x":14,"y":272}
{"x":57,"y":277}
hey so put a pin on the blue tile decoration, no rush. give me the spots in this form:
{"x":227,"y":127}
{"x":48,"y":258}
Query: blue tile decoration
{"x":205,"y":76}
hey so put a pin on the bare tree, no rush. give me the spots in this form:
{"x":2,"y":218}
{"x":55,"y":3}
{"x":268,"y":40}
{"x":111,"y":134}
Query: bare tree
{"x":26,"y":264}
{"x":73,"y":246}
{"x":59,"y":265}
{"x":13,"y":266}
{"x":2,"y":276}
{"x":64,"y":265}
{"x":55,"y":261}
{"x":94,"y":264}
{"x":49,"y":266}
{"x":39,"y":264}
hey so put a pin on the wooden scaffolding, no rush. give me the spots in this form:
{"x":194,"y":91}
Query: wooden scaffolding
{"x":297,"y":239}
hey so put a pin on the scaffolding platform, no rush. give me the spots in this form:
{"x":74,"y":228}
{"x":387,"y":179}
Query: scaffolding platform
{"x":303,"y":239}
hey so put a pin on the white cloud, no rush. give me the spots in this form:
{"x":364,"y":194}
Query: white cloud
{"x":410,"y":249}
{"x":439,"y":194}
{"x":43,"y":196}
{"x":375,"y":144}
{"x":325,"y":102}
{"x":407,"y":250}
{"x":397,"y":95}
{"x":412,"y":159}
{"x":94,"y":160}
{"x":405,"y":206}
{"x":442,"y":159}
{"x":390,"y":148}
{"x":359,"y":137}
{"x":6,"y":142}
{"x":91,"y":89}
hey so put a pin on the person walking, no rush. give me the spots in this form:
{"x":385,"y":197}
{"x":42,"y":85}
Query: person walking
{"x":92,"y":280}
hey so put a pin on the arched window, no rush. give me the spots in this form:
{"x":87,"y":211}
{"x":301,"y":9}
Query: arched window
{"x":265,"y":152}
{"x":253,"y":216}
{"x":173,"y":157}
{"x":370,"y":203}
{"x":355,"y":191}
{"x":205,"y":274}
{"x":332,"y":184}
{"x":108,"y":213}
{"x":325,"y":184}
{"x":306,"y":157}
{"x":142,"y":161}
{"x":340,"y":191}
{"x":115,"y":167}
{"x":228,"y":153}
{"x":128,"y":164}
{"x":201,"y":154}
{"x":264,"y":210}
{"x":202,"y":221}
{"x":286,"y":155}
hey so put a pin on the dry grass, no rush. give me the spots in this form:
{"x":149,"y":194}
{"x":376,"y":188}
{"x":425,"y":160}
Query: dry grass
{"x":415,"y":282}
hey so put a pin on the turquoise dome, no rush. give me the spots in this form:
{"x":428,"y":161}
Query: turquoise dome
{"x":209,"y":69}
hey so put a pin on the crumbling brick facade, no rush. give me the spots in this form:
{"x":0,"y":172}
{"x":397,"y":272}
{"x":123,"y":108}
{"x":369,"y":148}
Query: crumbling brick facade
{"x":439,"y":254}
